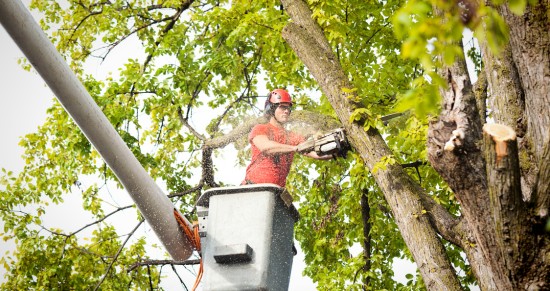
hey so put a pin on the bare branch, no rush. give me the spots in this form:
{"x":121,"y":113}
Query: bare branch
{"x":102,"y":219}
{"x":186,"y":124}
{"x":150,"y":277}
{"x":189,"y":191}
{"x":97,"y":11}
{"x":117,"y":254}
{"x":162,"y":263}
{"x":179,"y":278}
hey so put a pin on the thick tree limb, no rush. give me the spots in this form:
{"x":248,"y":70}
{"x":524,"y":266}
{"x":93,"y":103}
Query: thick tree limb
{"x":243,"y":129}
{"x":447,"y":225}
{"x":302,"y":121}
{"x":454,"y":151}
{"x":508,"y":209}
{"x":480,"y":91}
{"x":301,"y":15}
{"x":207,"y":169}
{"x":507,"y":103}
{"x":307,"y":40}
{"x":529,"y":44}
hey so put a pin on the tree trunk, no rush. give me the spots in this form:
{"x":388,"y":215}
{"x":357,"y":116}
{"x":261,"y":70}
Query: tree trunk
{"x":505,"y":219}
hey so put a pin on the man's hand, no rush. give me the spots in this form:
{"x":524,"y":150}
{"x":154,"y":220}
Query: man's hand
{"x":332,"y":144}
{"x":314,"y":155}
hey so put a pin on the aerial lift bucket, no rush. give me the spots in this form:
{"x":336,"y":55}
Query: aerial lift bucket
{"x":247,"y":238}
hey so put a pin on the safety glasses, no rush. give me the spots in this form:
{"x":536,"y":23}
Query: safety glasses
{"x":285,"y":107}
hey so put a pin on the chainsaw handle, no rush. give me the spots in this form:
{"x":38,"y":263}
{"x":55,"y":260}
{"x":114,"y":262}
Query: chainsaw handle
{"x":306,"y":147}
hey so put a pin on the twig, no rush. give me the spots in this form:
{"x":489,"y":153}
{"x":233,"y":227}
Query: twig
{"x":150,"y":279}
{"x":178,"y":275}
{"x":183,"y":120}
{"x":162,"y":263}
{"x":100,"y":220}
{"x":117,"y":254}
{"x":189,"y":191}
{"x":414,"y":164}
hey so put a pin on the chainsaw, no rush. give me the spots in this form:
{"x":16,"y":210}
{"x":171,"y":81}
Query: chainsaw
{"x":332,"y":143}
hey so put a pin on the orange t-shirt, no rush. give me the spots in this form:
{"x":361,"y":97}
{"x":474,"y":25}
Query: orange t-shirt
{"x":270,"y":168}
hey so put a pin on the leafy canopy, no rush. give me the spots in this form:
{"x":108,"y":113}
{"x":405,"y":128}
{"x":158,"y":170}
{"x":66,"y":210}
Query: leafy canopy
{"x":194,"y":70}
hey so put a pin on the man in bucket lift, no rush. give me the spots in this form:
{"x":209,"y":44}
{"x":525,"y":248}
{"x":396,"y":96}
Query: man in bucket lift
{"x":273,"y":147}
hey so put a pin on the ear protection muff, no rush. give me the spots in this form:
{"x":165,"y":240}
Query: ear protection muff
{"x":274,"y":98}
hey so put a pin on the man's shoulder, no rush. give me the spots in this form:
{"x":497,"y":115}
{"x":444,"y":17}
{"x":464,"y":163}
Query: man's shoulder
{"x":261,"y":125}
{"x":260,"y":129}
{"x":296,"y":137}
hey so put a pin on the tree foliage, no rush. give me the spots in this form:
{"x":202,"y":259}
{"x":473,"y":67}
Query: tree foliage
{"x":193,"y":80}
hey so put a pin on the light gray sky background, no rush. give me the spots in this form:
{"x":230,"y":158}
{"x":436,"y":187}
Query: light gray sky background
{"x":25,"y":98}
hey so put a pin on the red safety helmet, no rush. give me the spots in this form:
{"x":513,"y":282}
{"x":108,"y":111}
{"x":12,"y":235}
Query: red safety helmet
{"x":276,"y":97}
{"x":280,"y":96}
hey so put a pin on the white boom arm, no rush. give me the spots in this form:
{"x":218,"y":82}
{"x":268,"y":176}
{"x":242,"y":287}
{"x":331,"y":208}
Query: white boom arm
{"x":155,"y":206}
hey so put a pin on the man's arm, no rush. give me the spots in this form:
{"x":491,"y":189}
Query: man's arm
{"x":265,"y":145}
{"x":272,"y":147}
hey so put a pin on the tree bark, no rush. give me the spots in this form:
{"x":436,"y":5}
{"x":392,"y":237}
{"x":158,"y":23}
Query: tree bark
{"x":507,"y":103}
{"x":519,"y":82}
{"x":530,"y":49}
{"x":507,"y":207}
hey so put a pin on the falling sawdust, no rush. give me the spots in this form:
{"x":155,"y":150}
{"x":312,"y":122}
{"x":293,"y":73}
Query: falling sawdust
{"x":305,"y":123}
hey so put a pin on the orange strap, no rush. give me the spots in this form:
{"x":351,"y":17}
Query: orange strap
{"x":194,"y":239}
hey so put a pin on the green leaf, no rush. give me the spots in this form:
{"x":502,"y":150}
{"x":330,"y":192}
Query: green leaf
{"x":517,"y":6}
